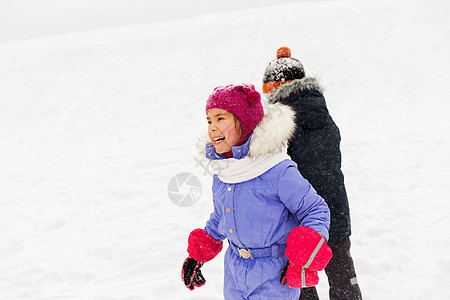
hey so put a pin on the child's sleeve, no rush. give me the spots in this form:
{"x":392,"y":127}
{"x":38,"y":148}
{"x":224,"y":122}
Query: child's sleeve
{"x":312,"y":112}
{"x":212,"y":225}
{"x":302,"y":200}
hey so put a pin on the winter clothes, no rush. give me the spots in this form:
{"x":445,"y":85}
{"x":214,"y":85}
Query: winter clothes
{"x":306,"y":257}
{"x":259,"y":198}
{"x":201,"y":248}
{"x":309,"y":293}
{"x":315,"y":148}
{"x":341,"y":273}
{"x":281,"y":70}
{"x":191,"y":273}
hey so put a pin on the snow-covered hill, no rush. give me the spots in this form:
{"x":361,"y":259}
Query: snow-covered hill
{"x":94,"y":125}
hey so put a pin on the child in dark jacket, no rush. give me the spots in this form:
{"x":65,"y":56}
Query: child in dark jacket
{"x":315,"y":149}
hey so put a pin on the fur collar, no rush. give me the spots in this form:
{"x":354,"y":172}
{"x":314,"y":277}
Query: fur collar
{"x":304,"y":84}
{"x":274,"y":130}
{"x":270,"y":136}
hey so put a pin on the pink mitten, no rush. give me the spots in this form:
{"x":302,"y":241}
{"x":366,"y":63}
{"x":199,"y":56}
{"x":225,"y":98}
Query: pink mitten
{"x":203,"y":247}
{"x":308,"y":253}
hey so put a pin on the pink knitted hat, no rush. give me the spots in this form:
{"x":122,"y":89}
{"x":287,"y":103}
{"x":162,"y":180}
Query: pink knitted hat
{"x":243,"y":101}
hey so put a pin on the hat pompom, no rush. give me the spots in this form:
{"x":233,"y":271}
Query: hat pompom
{"x":253,"y":97}
{"x":283,"y":52}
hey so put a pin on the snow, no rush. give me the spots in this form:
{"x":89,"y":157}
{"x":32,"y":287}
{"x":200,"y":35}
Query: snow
{"x":20,"y":19}
{"x":94,"y":126}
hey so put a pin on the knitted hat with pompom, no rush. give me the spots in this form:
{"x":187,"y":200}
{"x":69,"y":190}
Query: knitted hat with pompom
{"x":243,"y":101}
{"x":282,"y":70}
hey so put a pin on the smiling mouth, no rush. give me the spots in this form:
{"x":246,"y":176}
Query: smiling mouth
{"x":219,"y":139}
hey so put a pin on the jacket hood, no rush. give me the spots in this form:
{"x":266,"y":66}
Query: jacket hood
{"x":274,"y":131}
{"x":306,"y":99}
{"x":270,"y":136}
{"x":297,"y":85}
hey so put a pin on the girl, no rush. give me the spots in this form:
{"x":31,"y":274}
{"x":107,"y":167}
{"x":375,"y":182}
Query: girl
{"x":275,"y":222}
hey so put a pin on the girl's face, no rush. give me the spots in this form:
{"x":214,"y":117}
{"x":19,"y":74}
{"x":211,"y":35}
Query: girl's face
{"x":223,"y":129}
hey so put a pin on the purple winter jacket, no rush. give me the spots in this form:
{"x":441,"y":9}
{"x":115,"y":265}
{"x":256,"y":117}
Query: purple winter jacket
{"x":259,"y":197}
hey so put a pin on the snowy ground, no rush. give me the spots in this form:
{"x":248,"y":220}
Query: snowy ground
{"x":94,"y":125}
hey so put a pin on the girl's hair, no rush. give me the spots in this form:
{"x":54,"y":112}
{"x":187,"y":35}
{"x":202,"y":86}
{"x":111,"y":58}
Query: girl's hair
{"x":237,"y":125}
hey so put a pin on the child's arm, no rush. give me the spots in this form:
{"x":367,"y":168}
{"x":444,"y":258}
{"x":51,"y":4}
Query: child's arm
{"x":306,"y":249}
{"x":203,"y":245}
{"x":212,"y":225}
{"x":312,"y":112}
{"x":301,"y":199}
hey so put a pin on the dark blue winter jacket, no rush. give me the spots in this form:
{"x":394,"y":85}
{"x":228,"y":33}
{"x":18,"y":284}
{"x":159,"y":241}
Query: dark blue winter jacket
{"x":315,"y":148}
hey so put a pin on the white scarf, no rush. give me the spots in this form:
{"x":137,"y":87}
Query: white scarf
{"x":233,"y":170}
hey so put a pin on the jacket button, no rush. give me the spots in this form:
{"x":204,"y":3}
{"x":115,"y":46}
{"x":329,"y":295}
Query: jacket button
{"x":228,"y":210}
{"x":210,"y":154}
{"x":231,"y":230}
{"x":229,"y":189}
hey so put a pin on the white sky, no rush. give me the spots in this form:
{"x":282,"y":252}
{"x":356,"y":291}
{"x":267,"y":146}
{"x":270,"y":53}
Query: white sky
{"x":20,"y":19}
